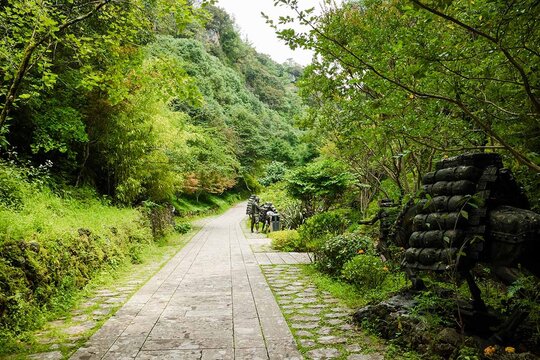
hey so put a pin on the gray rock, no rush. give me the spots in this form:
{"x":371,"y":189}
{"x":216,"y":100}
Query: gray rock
{"x":303,"y":333}
{"x":309,"y":311}
{"x":365,"y":357}
{"x":54,"y":355}
{"x":304,"y":326}
{"x":335,"y":322}
{"x":301,"y":318}
{"x":307,"y":343}
{"x":331,"y":340}
{"x":335,"y":315}
{"x":324,"y":331}
{"x":327,"y":353}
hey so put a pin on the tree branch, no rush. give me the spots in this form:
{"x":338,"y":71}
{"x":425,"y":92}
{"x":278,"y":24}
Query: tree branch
{"x":521,"y":158}
{"x":496,"y":41}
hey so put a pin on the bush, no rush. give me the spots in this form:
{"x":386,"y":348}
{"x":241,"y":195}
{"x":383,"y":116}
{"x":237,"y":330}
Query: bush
{"x":291,"y":216}
{"x":319,"y":184}
{"x":321,"y":225}
{"x":13,"y":187}
{"x":365,"y":270}
{"x":182,"y":228}
{"x":286,"y":240}
{"x":335,"y":251}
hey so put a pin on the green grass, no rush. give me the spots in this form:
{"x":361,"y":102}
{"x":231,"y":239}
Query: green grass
{"x":45,"y":215}
{"x":286,"y":240}
{"x":53,"y":243}
{"x":351,"y":295}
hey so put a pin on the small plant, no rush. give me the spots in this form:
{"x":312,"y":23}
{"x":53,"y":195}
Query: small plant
{"x":335,"y":251}
{"x":13,"y":187}
{"x":435,"y":308}
{"x":468,"y":353}
{"x":286,"y":240}
{"x":292,"y":216}
{"x":365,"y":271}
{"x":321,"y":225}
{"x":182,"y":228}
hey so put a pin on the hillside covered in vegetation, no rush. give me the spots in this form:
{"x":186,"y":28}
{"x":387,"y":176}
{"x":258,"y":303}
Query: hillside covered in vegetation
{"x":112,"y":111}
{"x":117,"y":116}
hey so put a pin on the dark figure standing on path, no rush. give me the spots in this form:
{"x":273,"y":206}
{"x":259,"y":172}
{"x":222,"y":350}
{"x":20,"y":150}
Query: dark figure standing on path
{"x":253,"y":211}
{"x":264,"y":217}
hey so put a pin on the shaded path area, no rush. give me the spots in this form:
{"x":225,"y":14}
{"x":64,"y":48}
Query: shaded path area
{"x":210,"y":301}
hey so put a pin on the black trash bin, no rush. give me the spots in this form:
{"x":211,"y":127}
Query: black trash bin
{"x":275,"y":224}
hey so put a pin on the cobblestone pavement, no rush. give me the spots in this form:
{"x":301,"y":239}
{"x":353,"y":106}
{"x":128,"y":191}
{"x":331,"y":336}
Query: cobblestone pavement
{"x":210,"y":301}
{"x":320,"y":324}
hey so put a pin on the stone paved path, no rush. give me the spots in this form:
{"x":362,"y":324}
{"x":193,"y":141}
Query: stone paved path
{"x":320,"y":323}
{"x":61,"y":337}
{"x":210,"y":301}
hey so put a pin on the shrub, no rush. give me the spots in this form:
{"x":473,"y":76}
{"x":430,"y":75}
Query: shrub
{"x":275,"y":172}
{"x":286,"y":240}
{"x":335,"y":251}
{"x":365,"y":270}
{"x":319,"y":184}
{"x":291,"y":216}
{"x":182,"y":228}
{"x":321,"y":225}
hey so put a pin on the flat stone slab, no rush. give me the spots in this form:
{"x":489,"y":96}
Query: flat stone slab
{"x":53,"y":355}
{"x":276,"y":258}
{"x":327,"y":353}
{"x":326,"y":340}
{"x":79,"y":328}
{"x":365,"y":357}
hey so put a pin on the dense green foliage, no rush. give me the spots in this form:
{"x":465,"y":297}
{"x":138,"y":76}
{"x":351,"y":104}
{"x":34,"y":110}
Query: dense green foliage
{"x":394,"y":87}
{"x":106,"y":105}
{"x":399,"y":84}
{"x":365,"y":271}
{"x":335,"y":251}
{"x":53,"y":244}
{"x":275,"y":172}
{"x":324,"y":224}
{"x":157,"y":108}
{"x":161,"y":104}
{"x":319,"y":184}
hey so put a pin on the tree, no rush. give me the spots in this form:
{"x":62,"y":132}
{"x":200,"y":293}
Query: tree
{"x":33,"y":32}
{"x":470,"y":62}
{"x":319,"y":184}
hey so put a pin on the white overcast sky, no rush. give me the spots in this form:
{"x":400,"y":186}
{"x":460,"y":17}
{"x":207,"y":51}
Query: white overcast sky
{"x":247,"y":15}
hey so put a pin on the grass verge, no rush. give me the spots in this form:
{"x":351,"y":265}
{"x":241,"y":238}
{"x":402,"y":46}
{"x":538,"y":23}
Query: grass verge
{"x":351,"y":295}
{"x":54,"y":336}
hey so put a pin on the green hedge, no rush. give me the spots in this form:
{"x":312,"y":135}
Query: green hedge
{"x":287,"y":240}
